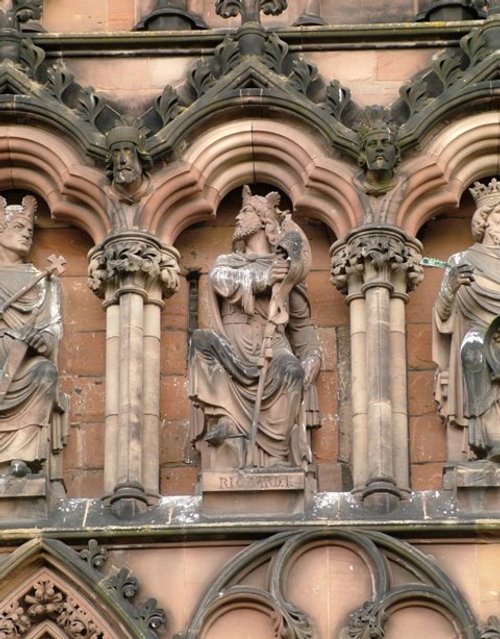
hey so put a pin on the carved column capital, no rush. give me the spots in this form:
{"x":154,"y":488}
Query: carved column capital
{"x":132,"y":261}
{"x":376,"y":256}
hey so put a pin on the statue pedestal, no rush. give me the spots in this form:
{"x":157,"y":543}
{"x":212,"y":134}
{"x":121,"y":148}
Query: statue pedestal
{"x":253,"y":492}
{"x":23,"y":498}
{"x":477,"y":484}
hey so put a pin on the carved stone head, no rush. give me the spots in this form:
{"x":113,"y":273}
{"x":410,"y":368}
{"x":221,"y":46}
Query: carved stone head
{"x":16,"y":227}
{"x":378,"y":148}
{"x":127,"y":161}
{"x":486,"y":220}
{"x":258,"y":213}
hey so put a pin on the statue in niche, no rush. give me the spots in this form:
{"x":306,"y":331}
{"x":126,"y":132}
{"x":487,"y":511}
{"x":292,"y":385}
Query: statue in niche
{"x":30,"y":329}
{"x":252,"y":375}
{"x":467,"y":331}
{"x":127,"y":167}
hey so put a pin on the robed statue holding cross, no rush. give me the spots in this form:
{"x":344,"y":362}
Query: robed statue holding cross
{"x":30,"y":329}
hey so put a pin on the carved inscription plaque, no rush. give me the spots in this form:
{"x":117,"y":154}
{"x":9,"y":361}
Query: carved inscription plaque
{"x":252,"y":481}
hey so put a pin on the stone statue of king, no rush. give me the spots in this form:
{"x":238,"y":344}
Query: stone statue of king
{"x":252,"y":374}
{"x":30,"y":328}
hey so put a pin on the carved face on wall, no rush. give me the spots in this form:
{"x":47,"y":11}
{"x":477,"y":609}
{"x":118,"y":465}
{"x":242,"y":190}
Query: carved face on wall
{"x":380,"y":151}
{"x":127,"y":168}
{"x":17,"y":236}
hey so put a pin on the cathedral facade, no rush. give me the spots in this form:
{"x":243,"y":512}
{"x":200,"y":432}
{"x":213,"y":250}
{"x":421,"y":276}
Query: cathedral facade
{"x":249,"y":319}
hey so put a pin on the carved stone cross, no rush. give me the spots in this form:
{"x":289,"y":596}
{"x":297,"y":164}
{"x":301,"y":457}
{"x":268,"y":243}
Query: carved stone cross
{"x":56,"y":264}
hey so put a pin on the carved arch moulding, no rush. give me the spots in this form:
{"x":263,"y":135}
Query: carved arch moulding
{"x":460,"y":154}
{"x":398,"y":578}
{"x":49,"y":590}
{"x":273,"y":78}
{"x":40,"y":161}
{"x":246,"y":151}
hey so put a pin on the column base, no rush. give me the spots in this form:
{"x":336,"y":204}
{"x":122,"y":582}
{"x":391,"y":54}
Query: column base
{"x":382,"y":496}
{"x":129,"y":501}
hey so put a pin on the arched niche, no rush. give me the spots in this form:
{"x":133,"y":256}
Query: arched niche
{"x":200,"y":244}
{"x":40,"y":161}
{"x":433,"y":443}
{"x":81,"y":378}
{"x":252,"y":151}
{"x":449,"y":162}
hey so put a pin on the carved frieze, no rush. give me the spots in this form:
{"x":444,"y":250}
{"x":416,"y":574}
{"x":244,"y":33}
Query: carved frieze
{"x":46,"y":601}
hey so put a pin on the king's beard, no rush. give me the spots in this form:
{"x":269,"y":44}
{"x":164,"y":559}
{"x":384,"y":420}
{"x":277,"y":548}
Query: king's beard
{"x":242,"y":231}
{"x":126,"y":176}
{"x":495,"y":235}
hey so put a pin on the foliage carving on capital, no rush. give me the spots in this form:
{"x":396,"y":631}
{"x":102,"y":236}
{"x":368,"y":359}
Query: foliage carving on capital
{"x":383,"y":254}
{"x":118,"y":258}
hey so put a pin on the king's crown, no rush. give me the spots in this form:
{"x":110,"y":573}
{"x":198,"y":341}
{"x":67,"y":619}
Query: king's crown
{"x":486,"y":194}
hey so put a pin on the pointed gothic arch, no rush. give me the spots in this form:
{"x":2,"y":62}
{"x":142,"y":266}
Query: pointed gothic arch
{"x":247,"y":151}
{"x":461,"y":153}
{"x":40,"y":161}
{"x":49,"y":590}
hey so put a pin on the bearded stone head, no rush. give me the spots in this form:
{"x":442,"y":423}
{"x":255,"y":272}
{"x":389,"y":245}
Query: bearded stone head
{"x":127,"y":162}
{"x":258,"y":212}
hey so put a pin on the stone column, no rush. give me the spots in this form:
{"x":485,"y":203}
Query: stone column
{"x":376,"y":266}
{"x":132,"y":271}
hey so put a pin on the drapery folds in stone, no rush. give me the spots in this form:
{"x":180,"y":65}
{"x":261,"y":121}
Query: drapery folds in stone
{"x":465,"y":339}
{"x":376,"y":266}
{"x":132,"y":272}
{"x":30,"y":330}
{"x":253,"y":374}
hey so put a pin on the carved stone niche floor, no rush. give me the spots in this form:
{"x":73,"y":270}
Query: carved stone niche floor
{"x":476,"y":484}
{"x":183,"y":516}
{"x":253,"y":492}
{"x":23,"y":497}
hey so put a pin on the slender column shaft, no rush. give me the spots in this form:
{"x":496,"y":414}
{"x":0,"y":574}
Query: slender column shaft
{"x":151,"y":398}
{"x":111,"y":426}
{"x":399,"y":390}
{"x":359,"y":392}
{"x":381,"y":263}
{"x":379,"y":376}
{"x":134,"y":271}
{"x":129,"y":465}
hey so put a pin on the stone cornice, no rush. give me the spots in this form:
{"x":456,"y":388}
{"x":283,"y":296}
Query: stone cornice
{"x":197,"y":43}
